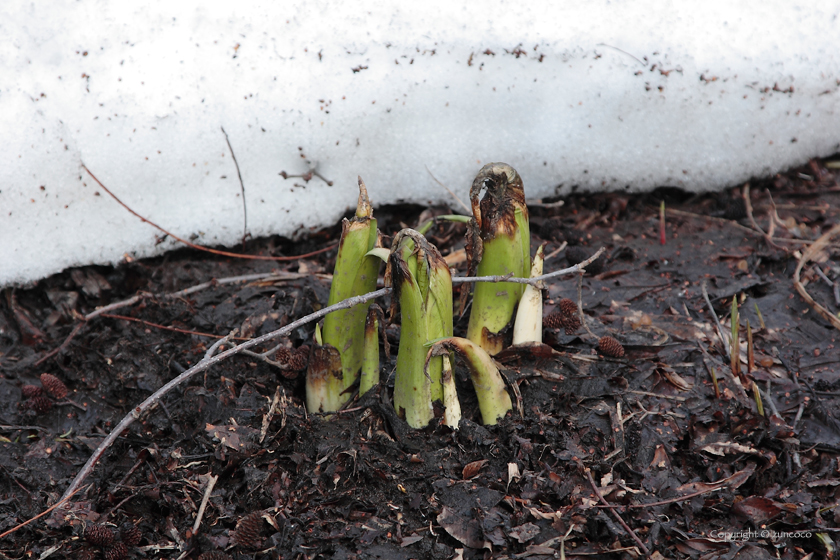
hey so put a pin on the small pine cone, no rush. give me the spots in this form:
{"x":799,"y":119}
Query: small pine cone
{"x":29,"y":391}
{"x":54,"y":386}
{"x":571,"y":324}
{"x":247,"y":532}
{"x":557,"y":320}
{"x":567,"y":306}
{"x":117,"y":551}
{"x":40,"y":404}
{"x":300,"y":359}
{"x":130,"y":534}
{"x":610,"y":347}
{"x":215,"y":555}
{"x":99,"y":535}
{"x":282,"y":355}
{"x":553,"y":321}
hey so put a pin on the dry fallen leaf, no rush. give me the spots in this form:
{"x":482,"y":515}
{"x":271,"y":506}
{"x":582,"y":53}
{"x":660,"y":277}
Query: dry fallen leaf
{"x":471,"y":469}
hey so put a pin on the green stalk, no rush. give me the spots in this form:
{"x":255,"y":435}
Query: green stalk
{"x":423,"y":286}
{"x":355,"y":274}
{"x":498,"y":243}
{"x":715,"y":383}
{"x":493,"y":399}
{"x":370,"y":362}
{"x":324,"y":363}
{"x":757,"y":396}
{"x":760,"y":318}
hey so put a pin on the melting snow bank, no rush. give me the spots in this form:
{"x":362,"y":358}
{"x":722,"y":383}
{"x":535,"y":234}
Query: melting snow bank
{"x":595,"y":97}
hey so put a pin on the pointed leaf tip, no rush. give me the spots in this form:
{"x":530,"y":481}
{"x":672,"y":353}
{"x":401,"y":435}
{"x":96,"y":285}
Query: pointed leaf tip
{"x":363,"y":208}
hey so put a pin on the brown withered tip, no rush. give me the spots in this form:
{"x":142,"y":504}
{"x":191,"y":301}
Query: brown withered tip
{"x":214,"y":555}
{"x":247,"y":532}
{"x":608,"y":346}
{"x":29,"y":391}
{"x":567,"y":306}
{"x":40,"y":404}
{"x":504,"y":195}
{"x":54,"y":386}
{"x":116,"y":551}
{"x":99,"y":535}
{"x":130,"y":534}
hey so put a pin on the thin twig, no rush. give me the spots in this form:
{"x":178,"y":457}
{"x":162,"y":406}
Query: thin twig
{"x":166,"y":328}
{"x":810,"y":254}
{"x":664,"y":502}
{"x":64,"y":344}
{"x":59,"y":503}
{"x":199,"y":247}
{"x":731,"y":223}
{"x":241,"y":187}
{"x":172,"y":295}
{"x":658,"y":395}
{"x":723,"y":341}
{"x":832,"y":284}
{"x":455,"y":196}
{"x":211,"y":482}
{"x":531,"y":281}
{"x":748,"y":206}
{"x":769,"y":399}
{"x":581,"y":316}
{"x":618,"y":518}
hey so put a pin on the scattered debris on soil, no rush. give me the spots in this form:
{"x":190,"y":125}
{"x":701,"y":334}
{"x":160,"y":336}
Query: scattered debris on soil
{"x":630,"y":433}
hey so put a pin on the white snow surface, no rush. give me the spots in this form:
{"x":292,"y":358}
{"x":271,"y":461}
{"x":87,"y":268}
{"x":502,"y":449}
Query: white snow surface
{"x":590,"y":96}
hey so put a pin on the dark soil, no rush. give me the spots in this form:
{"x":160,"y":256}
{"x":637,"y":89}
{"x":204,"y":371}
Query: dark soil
{"x":647,"y":427}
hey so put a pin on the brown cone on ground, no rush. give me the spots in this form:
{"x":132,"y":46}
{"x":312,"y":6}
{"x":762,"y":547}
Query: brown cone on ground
{"x":29,"y":391}
{"x":608,"y":346}
{"x":557,"y":320}
{"x":99,"y":535}
{"x":282,"y":355}
{"x":54,"y":386}
{"x":130,"y":534}
{"x":40,"y":404}
{"x":567,"y":306}
{"x":117,"y":551}
{"x":247,"y":532}
{"x":300,"y":359}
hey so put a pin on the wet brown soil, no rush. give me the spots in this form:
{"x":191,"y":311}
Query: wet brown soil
{"x":692,"y":474}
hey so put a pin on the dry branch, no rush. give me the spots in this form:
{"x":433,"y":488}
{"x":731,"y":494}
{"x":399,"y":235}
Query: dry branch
{"x":808,"y":255}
